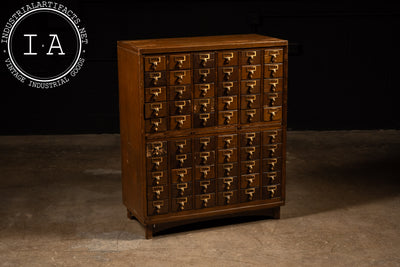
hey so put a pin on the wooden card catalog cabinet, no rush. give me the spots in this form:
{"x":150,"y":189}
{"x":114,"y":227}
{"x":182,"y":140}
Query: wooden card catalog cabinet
{"x":203,"y":127}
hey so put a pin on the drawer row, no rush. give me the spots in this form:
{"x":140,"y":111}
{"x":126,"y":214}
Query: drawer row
{"x":207,"y":75}
{"x":208,"y":59}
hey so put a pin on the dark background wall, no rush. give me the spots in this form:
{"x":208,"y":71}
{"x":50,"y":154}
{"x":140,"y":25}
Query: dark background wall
{"x":342,"y":61}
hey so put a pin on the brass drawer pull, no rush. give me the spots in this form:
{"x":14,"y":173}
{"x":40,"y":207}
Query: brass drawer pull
{"x":157,"y":191}
{"x":250,"y":151}
{"x":155,"y":107}
{"x":273,"y":112}
{"x":157,"y":176}
{"x":156,"y":146}
{"x":250,"y":166}
{"x":272,"y":190}
{"x":228,"y":116}
{"x":273,"y":69}
{"x":228,"y":72}
{"x":204,"y":157}
{"x":274,"y":54}
{"x":179,"y":106}
{"x":181,"y":174}
{"x":155,"y":124}
{"x":250,"y":114}
{"x":205,"y":199}
{"x":204,"y":171}
{"x":251,"y":70}
{"x":156,"y":162}
{"x":227,"y":141}
{"x":272,"y":176}
{"x":180,"y":144}
{"x":227,"y":155}
{"x":227,"y":87}
{"x":179,"y":61}
{"x":203,"y":104}
{"x":181,"y":188}
{"x":204,"y":89}
{"x":272,"y":149}
{"x":181,"y":159}
{"x":227,"y":101}
{"x":204,"y":185}
{"x":204,"y":73}
{"x":273,"y":136}
{"x":204,"y":58}
{"x":272,"y":98}
{"x":154,"y":62}
{"x":272,"y":163}
{"x":227,"y":169}
{"x":180,"y":121}
{"x":250,"y":138}
{"x":250,"y":86}
{"x":227,"y":196}
{"x":157,"y":205}
{"x":204,"y":141}
{"x":227,"y":57}
{"x":250,"y":56}
{"x":179,"y":76}
{"x":228,"y":181}
{"x":181,"y":202}
{"x":155,"y":76}
{"x":250,"y":193}
{"x":250,"y":179}
{"x":155,"y":92}
{"x":204,"y":118}
{"x":250,"y":100}
{"x":179,"y":91}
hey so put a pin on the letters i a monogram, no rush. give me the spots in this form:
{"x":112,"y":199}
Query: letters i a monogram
{"x":55,"y":44}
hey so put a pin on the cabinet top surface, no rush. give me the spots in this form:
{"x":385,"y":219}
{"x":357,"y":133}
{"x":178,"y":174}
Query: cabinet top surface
{"x":200,"y":43}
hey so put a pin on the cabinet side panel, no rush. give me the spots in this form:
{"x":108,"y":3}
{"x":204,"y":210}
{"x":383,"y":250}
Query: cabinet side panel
{"x":284,"y":120}
{"x":132,"y":132}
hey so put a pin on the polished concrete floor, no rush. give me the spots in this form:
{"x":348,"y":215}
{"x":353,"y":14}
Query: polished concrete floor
{"x":61,"y":205}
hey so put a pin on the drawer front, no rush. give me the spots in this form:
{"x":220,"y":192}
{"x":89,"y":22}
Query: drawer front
{"x":181,"y":175}
{"x":228,"y":169}
{"x":271,"y":164}
{"x":157,"y":207}
{"x":271,"y":178}
{"x":227,"y":141}
{"x":155,"y":110}
{"x":204,"y":90}
{"x":250,"y":153}
{"x":179,"y":92}
{"x":180,"y":107}
{"x":181,"y":190}
{"x":157,"y":192}
{"x":206,"y":75}
{"x":250,"y":116}
{"x":205,"y":172}
{"x":272,"y":192}
{"x":180,"y":122}
{"x":203,"y":60}
{"x":250,"y":101}
{"x":227,"y":58}
{"x":227,"y":117}
{"x":154,"y":63}
{"x":227,"y":155}
{"x":251,"y":72}
{"x":205,"y":201}
{"x":226,"y":74}
{"x":204,"y":158}
{"x":271,"y":151}
{"x":273,"y":70}
{"x":205,"y":143}
{"x":273,"y":55}
{"x":273,"y":85}
{"x":227,"y":183}
{"x":155,"y":94}
{"x":250,"y":166}
{"x":157,"y":178}
{"x":156,"y":149}
{"x":272,"y":113}
{"x":204,"y":105}
{"x":250,"y":57}
{"x":228,"y":88}
{"x":227,"y":198}
{"x":156,"y":163}
{"x":227,"y":102}
{"x":156,"y":125}
{"x":181,"y":204}
{"x":179,"y":77}
{"x":202,"y":120}
{"x":273,"y":99}
{"x":204,"y":186}
{"x":179,"y":61}
{"x":249,"y":194}
{"x":272,"y":137}
{"x":153,"y":79}
{"x":181,"y":146}
{"x":250,"y":139}
{"x":181,"y":160}
{"x":250,"y":180}
{"x":248,"y":87}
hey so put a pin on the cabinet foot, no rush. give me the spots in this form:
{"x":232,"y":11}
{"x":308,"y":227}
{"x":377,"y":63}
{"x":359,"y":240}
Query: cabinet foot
{"x":149,"y":231}
{"x":276,"y":213}
{"x":129,"y":215}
